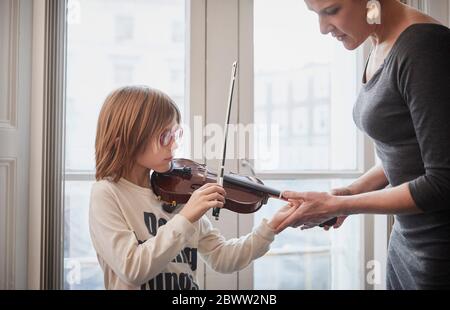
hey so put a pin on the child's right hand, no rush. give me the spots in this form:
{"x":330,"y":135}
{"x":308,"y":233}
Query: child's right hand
{"x":282,"y":214}
{"x":210,"y":195}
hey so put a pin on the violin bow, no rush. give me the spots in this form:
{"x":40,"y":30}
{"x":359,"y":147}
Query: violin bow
{"x":220,"y":172}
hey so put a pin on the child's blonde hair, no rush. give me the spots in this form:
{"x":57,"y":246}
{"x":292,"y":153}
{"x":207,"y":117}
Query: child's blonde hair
{"x":129,"y":117}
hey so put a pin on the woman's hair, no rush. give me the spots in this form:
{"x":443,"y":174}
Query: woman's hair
{"x":130,"y":116}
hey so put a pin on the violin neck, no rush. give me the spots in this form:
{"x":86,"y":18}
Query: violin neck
{"x":244,"y":182}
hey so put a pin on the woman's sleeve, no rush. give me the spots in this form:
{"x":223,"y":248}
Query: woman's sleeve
{"x":116,"y":243}
{"x":424,"y":81}
{"x":227,"y":256}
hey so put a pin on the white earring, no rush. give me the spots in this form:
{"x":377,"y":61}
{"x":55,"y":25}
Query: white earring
{"x":373,"y":12}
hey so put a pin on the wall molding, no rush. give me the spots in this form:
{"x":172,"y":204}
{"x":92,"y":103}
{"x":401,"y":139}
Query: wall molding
{"x":52,"y":203}
{"x":36,"y":146}
{"x":12,"y":66}
{"x":10,"y":201}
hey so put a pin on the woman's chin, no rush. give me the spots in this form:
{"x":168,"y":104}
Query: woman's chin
{"x":350,"y":44}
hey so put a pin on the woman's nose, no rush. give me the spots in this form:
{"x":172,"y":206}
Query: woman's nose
{"x":324,"y":25}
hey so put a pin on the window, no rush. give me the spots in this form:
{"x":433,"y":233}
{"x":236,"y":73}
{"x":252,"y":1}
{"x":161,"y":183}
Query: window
{"x":177,"y":32}
{"x":110,"y":44}
{"x":294,"y":65}
{"x":310,"y":259}
{"x":297,"y":90}
{"x":123,"y":74}
{"x":124,"y":26}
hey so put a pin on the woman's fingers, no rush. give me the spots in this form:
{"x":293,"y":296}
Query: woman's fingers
{"x":306,"y":226}
{"x":339,"y":222}
{"x":293,"y":195}
{"x":296,"y":202}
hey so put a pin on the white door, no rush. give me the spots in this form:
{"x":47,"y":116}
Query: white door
{"x":15,"y":73}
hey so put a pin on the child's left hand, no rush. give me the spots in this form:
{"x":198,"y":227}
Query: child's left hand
{"x":282,"y":214}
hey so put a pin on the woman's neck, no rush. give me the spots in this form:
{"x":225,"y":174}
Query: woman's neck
{"x":139,"y":175}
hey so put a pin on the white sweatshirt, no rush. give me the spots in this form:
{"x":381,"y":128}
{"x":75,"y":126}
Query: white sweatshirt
{"x":140,"y":246}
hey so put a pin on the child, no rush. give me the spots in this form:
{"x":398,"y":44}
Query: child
{"x":139,"y":245}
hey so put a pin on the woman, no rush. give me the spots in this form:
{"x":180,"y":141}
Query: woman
{"x":404,"y":106}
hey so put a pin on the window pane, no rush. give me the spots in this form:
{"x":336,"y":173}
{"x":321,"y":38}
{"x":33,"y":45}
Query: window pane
{"x":305,"y":85}
{"x":116,"y":43}
{"x":81,"y":269}
{"x":111,"y":44}
{"x":313,"y":258}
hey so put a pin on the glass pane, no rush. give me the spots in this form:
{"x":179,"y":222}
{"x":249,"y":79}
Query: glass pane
{"x":305,"y":86}
{"x":81,"y":269}
{"x":116,"y":43}
{"x":313,"y":258}
{"x":111,"y":44}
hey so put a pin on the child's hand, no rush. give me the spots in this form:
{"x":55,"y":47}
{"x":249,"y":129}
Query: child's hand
{"x":282,"y":214}
{"x":210,"y":195}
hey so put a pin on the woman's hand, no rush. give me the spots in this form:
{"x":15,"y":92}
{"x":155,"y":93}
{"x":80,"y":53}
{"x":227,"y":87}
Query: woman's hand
{"x":282,"y":213}
{"x":315,"y":208}
{"x":342,"y":191}
{"x":210,"y":195}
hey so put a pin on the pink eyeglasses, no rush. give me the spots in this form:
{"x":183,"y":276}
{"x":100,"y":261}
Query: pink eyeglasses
{"x":170,"y":135}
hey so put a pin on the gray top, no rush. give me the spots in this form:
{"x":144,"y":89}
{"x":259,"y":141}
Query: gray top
{"x":405,"y":109}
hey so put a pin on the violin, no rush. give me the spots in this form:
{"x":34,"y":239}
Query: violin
{"x":245,"y":194}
